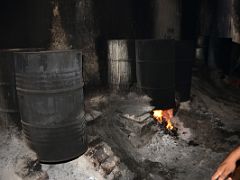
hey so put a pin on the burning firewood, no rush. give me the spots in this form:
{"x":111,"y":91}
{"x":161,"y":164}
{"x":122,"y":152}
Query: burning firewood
{"x":164,"y":117}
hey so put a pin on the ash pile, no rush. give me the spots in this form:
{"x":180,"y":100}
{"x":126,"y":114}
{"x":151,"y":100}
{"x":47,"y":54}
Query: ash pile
{"x":146,"y":149}
{"x":127,"y":143}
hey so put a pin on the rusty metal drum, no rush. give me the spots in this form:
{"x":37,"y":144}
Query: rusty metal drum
{"x":51,"y":102}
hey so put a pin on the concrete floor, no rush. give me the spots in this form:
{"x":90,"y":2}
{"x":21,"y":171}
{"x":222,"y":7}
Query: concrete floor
{"x":125,"y":142}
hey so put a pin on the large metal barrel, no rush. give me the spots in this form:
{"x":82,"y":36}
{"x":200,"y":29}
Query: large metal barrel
{"x":166,"y":18}
{"x":9,"y":113}
{"x":185,"y":55}
{"x":222,"y":54}
{"x":235,"y":60}
{"x":121,"y":64}
{"x":50,"y":94}
{"x":202,"y":50}
{"x":155,"y":67}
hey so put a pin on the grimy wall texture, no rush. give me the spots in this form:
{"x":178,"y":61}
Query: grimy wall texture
{"x":88,"y":25}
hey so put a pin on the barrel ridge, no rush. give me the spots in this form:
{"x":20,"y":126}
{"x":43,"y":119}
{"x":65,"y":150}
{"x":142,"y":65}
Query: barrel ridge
{"x":9,"y":113}
{"x":121,"y":64}
{"x":155,"y":67}
{"x":50,"y":93}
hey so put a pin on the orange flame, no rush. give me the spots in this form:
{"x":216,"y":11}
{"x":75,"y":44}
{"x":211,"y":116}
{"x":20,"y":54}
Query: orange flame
{"x":159,"y":115}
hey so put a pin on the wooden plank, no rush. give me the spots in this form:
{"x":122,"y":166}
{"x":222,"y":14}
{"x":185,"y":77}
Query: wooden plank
{"x":121,"y":61}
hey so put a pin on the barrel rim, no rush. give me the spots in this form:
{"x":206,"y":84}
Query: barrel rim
{"x":15,"y":50}
{"x":157,"y":88}
{"x":121,"y":40}
{"x":49,"y":51}
{"x":154,"y":40}
{"x":76,"y":156}
{"x":4,"y":110}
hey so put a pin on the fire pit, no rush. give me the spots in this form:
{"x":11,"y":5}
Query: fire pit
{"x":163,"y":119}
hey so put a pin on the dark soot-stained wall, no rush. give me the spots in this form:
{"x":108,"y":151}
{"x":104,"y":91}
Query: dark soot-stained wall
{"x":88,"y":25}
{"x":24,"y":23}
{"x":85,"y":24}
{"x":100,"y":21}
{"x":12,"y":23}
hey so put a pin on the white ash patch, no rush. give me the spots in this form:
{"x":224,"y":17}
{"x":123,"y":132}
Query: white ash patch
{"x":96,"y":101}
{"x":183,"y":132}
{"x":18,"y":162}
{"x":28,"y":168}
{"x":139,"y":119}
{"x":136,"y":97}
{"x":9,"y":174}
{"x":136,"y":111}
{"x":178,"y":155}
{"x":92,"y":115}
{"x":16,"y":158}
{"x":185,"y":105}
{"x":79,"y":169}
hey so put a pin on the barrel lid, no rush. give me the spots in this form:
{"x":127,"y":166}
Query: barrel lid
{"x":49,"y":51}
{"x":121,"y":40}
{"x":153,"y":40}
{"x":21,"y":49}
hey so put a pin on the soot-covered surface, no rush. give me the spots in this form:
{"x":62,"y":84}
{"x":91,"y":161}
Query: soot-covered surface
{"x":125,"y":142}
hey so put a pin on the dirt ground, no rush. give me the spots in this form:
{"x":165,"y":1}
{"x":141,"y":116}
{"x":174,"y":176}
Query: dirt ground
{"x":126,"y":143}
